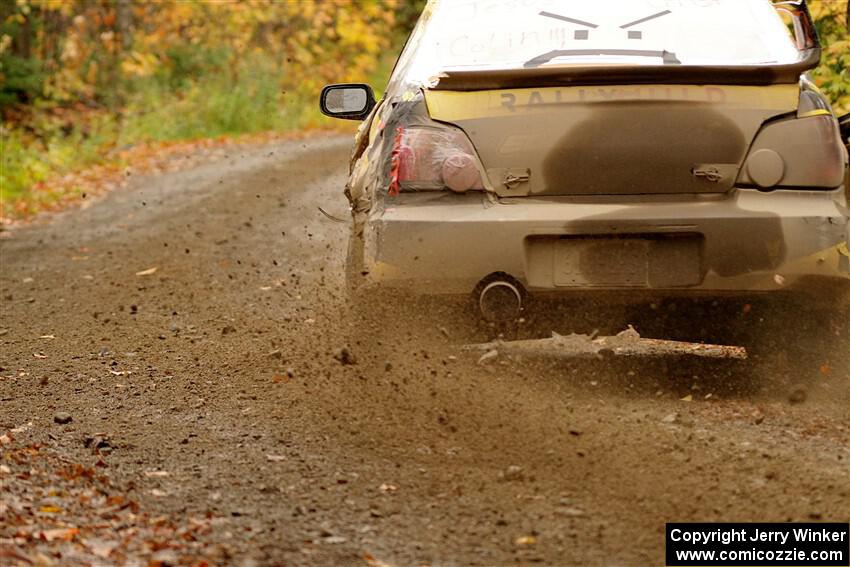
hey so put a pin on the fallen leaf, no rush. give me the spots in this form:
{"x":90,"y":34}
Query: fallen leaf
{"x":22,"y":428}
{"x":47,"y":337}
{"x":63,"y":534}
{"x":39,"y":355}
{"x":825,"y":369}
{"x":50,"y":510}
{"x":100,"y":547}
{"x":147,"y":272}
{"x":13,"y":553}
{"x":526,"y":540}
{"x":688,"y":398}
{"x":487,"y":356}
{"x":372,"y":561}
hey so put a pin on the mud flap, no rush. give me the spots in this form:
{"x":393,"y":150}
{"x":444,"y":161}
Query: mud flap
{"x":625,"y":343}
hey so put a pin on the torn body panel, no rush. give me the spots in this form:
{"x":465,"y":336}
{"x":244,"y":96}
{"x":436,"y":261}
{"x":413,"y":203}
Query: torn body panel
{"x":626,"y":343}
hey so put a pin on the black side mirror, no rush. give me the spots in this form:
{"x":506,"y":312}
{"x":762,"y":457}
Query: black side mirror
{"x":349,"y":101}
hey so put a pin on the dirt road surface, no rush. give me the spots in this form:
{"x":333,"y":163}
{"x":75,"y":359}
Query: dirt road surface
{"x":211,"y":397}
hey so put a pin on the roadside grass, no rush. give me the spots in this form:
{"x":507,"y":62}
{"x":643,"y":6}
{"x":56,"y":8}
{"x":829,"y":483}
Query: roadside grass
{"x":34,"y":154}
{"x":44,"y":157}
{"x":248,"y":101}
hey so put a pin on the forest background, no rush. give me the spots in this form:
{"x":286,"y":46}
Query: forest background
{"x":101,"y":83}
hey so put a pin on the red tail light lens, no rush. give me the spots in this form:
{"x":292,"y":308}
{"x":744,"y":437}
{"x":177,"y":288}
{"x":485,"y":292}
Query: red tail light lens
{"x":429,"y":158}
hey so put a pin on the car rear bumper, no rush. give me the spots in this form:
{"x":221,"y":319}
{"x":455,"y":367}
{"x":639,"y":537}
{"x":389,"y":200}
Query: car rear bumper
{"x":746,"y":241}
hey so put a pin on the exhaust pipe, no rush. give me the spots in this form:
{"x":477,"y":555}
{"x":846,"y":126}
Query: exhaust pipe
{"x":501,"y":298}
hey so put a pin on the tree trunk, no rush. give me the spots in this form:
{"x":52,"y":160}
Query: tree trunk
{"x":124,"y":23}
{"x":22,"y":44}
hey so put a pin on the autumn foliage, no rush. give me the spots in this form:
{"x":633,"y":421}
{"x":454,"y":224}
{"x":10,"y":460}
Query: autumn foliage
{"x":83,"y":81}
{"x":832,"y":18}
{"x":94,"y":51}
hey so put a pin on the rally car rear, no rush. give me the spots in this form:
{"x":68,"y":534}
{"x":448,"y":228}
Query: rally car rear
{"x":637,"y":170}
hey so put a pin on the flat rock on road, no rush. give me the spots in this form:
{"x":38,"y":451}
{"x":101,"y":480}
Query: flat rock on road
{"x":196,"y":320}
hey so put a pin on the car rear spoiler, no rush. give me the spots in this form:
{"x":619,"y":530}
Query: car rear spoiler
{"x":481,"y":80}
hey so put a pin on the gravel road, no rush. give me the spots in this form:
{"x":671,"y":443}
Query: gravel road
{"x":192,"y":325}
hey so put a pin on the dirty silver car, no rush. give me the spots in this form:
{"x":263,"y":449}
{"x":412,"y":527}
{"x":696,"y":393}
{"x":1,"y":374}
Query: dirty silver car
{"x":545,"y":147}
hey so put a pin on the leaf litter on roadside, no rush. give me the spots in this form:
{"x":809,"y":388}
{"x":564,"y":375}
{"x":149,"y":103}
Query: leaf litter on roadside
{"x":57,"y":512}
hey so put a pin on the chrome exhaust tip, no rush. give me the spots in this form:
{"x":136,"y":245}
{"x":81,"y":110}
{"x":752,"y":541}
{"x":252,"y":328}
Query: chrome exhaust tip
{"x":501,"y":298}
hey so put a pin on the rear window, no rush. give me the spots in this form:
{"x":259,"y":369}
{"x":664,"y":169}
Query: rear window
{"x":515,"y":34}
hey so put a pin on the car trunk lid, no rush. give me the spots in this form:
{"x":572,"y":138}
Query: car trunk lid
{"x":612,"y":139}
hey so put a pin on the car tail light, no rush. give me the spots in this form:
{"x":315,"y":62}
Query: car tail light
{"x":433,"y":158}
{"x":805,"y":152}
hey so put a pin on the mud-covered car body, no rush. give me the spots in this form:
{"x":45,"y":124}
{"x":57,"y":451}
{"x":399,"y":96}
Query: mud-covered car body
{"x":676,"y":147}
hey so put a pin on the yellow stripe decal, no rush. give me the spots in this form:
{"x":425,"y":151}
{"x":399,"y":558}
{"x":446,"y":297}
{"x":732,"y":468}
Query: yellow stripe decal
{"x":815,"y":112}
{"x":454,"y":105}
